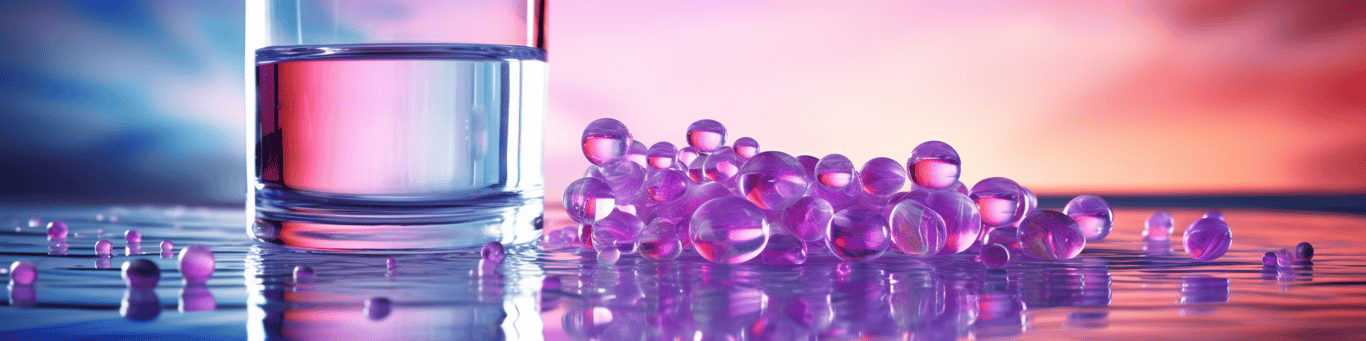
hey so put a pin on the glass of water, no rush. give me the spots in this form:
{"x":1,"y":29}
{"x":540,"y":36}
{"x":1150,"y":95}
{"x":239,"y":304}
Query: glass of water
{"x":397,"y":124}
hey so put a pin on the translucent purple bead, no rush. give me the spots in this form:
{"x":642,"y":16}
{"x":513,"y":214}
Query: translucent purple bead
{"x":858,"y":234}
{"x":104,"y":248}
{"x":809,"y":164}
{"x":1093,"y":214}
{"x":722,"y":164}
{"x":56,"y":230}
{"x":962,"y":221}
{"x":1207,"y":239}
{"x":619,"y":230}
{"x":994,"y":256}
{"x":687,"y":155}
{"x":999,"y":200}
{"x":493,"y":252}
{"x":605,"y":141}
{"x":625,"y":178}
{"x":1159,"y":226}
{"x":835,"y":172}
{"x":728,"y":230}
{"x":666,"y":185}
{"x":882,"y":176}
{"x":377,"y":308}
{"x":1051,"y":235}
{"x":773,"y":180}
{"x":141,"y":273}
{"x":783,"y":249}
{"x":1214,"y":214}
{"x":1304,"y":251}
{"x":23,"y":272}
{"x":661,"y":155}
{"x":167,"y":246}
{"x":588,"y":199}
{"x":608,"y":256}
{"x":916,"y":230}
{"x":660,"y":240}
{"x":706,"y":135}
{"x":697,"y":169}
{"x":304,"y":274}
{"x":1031,"y":203}
{"x":746,"y":147}
{"x":1269,"y":259}
{"x":636,"y":153}
{"x":133,"y":236}
{"x":934,"y":164}
{"x":196,"y":263}
{"x":807,"y":219}
{"x":1285,"y":258}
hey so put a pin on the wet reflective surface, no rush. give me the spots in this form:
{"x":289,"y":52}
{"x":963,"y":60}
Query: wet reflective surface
{"x":1120,"y":287}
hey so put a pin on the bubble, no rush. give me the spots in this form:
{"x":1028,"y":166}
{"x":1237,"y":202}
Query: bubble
{"x":728,"y":230}
{"x":1051,"y":235}
{"x":1214,"y":214}
{"x":995,"y":256}
{"x":637,"y":153}
{"x":666,"y":185}
{"x":196,"y":263}
{"x":882,"y":176}
{"x":167,"y":246}
{"x":662,"y":155}
{"x":746,"y":147}
{"x":606,"y":140}
{"x":56,"y":230}
{"x":706,"y":135}
{"x":588,"y":199}
{"x":962,"y":221}
{"x":625,"y":178}
{"x":23,"y":272}
{"x":1304,"y":251}
{"x":304,"y":274}
{"x":608,"y":256}
{"x":141,"y":273}
{"x":133,"y":236}
{"x":377,"y":308}
{"x":858,"y":234}
{"x":783,"y":249}
{"x":104,"y":248}
{"x":660,"y":240}
{"x":722,"y":164}
{"x":999,"y":201}
{"x":834,"y":171}
{"x":1093,"y":214}
{"x":619,"y":230}
{"x":916,"y":230}
{"x":1159,"y":226}
{"x":493,"y":252}
{"x":934,"y":164}
{"x":807,"y":219}
{"x":773,"y":180}
{"x":1207,"y":239}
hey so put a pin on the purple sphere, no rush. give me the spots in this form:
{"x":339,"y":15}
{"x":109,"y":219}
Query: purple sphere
{"x":706,"y":135}
{"x":999,"y":201}
{"x":783,"y":249}
{"x":773,"y":180}
{"x":588,"y":199}
{"x":141,"y":273}
{"x":196,"y":263}
{"x":608,"y":256}
{"x":934,"y":165}
{"x":636,"y":153}
{"x":1285,"y":258}
{"x":104,"y":248}
{"x":916,"y":230}
{"x":809,"y":164}
{"x":962,"y":221}
{"x":697,"y":169}
{"x":1304,"y":251}
{"x":661,"y":155}
{"x":995,"y":256}
{"x":605,"y":141}
{"x":1207,"y":239}
{"x":56,"y":230}
{"x":304,"y":274}
{"x":729,"y":230}
{"x":666,"y":185}
{"x":1051,"y":235}
{"x":1269,"y":259}
{"x":132,"y":236}
{"x":882,"y":176}
{"x":835,"y":172}
{"x":493,"y":252}
{"x":619,"y":230}
{"x":167,"y":246}
{"x":687,"y":155}
{"x":1159,"y":226}
{"x":858,"y":234}
{"x":660,"y":240}
{"x":23,"y":272}
{"x":722,"y":164}
{"x":746,"y":147}
{"x":377,"y":308}
{"x":1093,"y":214}
{"x":1214,"y":214}
{"x":625,"y":178}
{"x":807,"y":219}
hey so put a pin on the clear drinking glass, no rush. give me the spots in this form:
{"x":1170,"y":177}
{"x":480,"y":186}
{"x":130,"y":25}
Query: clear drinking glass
{"x":396,"y":124}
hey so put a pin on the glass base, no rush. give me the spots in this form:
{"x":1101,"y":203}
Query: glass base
{"x":358,"y":224}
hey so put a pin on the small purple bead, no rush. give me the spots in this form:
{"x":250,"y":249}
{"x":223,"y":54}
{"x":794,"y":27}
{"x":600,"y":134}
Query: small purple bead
{"x":746,"y":147}
{"x":56,"y":230}
{"x":304,"y":274}
{"x":377,"y":308}
{"x":729,"y":230}
{"x":392,"y":264}
{"x":882,"y":176}
{"x":807,"y":219}
{"x":666,"y":185}
{"x":606,"y":140}
{"x":23,"y":272}
{"x":1285,"y":258}
{"x":167,"y":246}
{"x":722,"y":164}
{"x":625,"y":178}
{"x":858,"y":234}
{"x":619,"y":230}
{"x":962,"y":221}
{"x":1093,"y":214}
{"x":1214,"y":214}
{"x":999,"y":200}
{"x":1051,"y":235}
{"x":697,"y":169}
{"x":834,"y":172}
{"x":706,"y":135}
{"x":608,"y":256}
{"x":995,"y":256}
{"x":916,"y":230}
{"x":1159,"y":226}
{"x":1304,"y":251}
{"x":196,"y":263}
{"x":141,"y":273}
{"x":493,"y":252}
{"x":687,"y":155}
{"x":1269,"y":259}
{"x":1207,"y":239}
{"x":637,"y":153}
{"x":104,"y":248}
{"x":133,"y":236}
{"x":661,"y":155}
{"x":783,"y":249}
{"x":934,"y":164}
{"x":660,"y":240}
{"x":773,"y":180}
{"x":588,"y":199}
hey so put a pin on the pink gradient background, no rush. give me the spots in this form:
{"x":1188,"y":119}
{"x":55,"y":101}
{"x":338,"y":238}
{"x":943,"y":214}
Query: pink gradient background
{"x":1064,"y":97}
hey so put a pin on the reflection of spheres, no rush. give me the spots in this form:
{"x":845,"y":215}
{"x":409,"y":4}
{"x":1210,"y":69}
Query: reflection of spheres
{"x":723,"y":309}
{"x":196,"y":297}
{"x":1201,"y":292}
{"x":141,"y":273}
{"x":377,"y":308}
{"x":22,"y":296}
{"x":140,"y":304}
{"x":1088,"y":320}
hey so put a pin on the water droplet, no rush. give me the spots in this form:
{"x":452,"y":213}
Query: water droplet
{"x":196,"y":263}
{"x":141,"y":273}
{"x":746,"y":147}
{"x":493,"y":252}
{"x":1051,"y":235}
{"x":1093,"y":214}
{"x":1207,"y":239}
{"x":916,"y":230}
{"x":773,"y":180}
{"x":606,"y":140}
{"x":23,"y":272}
{"x":858,"y":234}
{"x":706,"y":135}
{"x":934,"y":164}
{"x":882,"y":176}
{"x":1159,"y":226}
{"x":807,"y":219}
{"x":588,"y":199}
{"x":303,"y":274}
{"x":56,"y":230}
{"x":728,"y":230}
{"x":104,"y":248}
{"x":662,"y":155}
{"x":994,"y":256}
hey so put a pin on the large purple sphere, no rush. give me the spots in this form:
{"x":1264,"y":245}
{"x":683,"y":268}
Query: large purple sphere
{"x":588,"y":199}
{"x":23,"y":272}
{"x":835,"y":172}
{"x":773,"y":180}
{"x":141,"y":273}
{"x":999,"y":200}
{"x":882,"y":176}
{"x":858,"y":234}
{"x":706,"y":135}
{"x":962,"y":221}
{"x":934,"y":164}
{"x":916,"y":230}
{"x":661,"y":155}
{"x":1207,"y":239}
{"x":666,"y":185}
{"x":1159,"y":226}
{"x":606,"y":140}
{"x":618,"y":230}
{"x":1051,"y":235}
{"x":660,"y":240}
{"x":1093,"y":214}
{"x":56,"y":230}
{"x":196,"y":263}
{"x":783,"y":249}
{"x":729,"y":230}
{"x":807,"y":218}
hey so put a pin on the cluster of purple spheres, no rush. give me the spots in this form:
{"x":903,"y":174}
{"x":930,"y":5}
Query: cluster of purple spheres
{"x":734,"y":203}
{"x":1286,"y":258}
